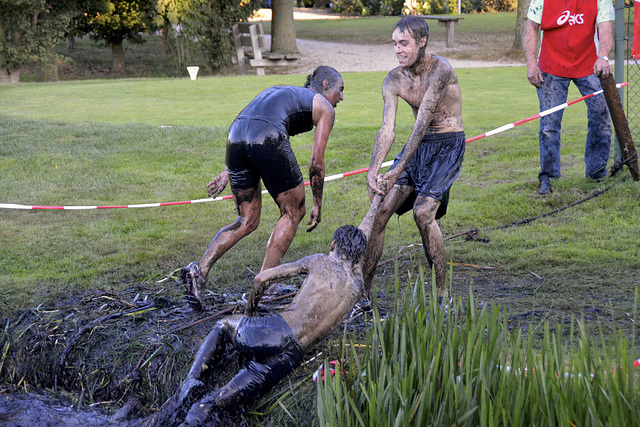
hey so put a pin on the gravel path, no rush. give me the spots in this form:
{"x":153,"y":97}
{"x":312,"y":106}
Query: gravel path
{"x":347,"y":57}
{"x":350,"y":57}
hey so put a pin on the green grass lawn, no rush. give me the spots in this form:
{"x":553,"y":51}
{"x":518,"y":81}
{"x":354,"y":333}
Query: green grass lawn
{"x":107,"y":142}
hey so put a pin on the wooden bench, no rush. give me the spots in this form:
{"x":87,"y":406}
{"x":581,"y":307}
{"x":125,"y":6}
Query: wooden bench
{"x":446,"y":21}
{"x":251,"y":49}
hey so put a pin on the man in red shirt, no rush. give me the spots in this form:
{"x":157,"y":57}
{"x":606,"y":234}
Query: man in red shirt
{"x":569,"y":53}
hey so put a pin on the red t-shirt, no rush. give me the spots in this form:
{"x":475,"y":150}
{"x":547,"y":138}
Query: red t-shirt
{"x":568,"y":48}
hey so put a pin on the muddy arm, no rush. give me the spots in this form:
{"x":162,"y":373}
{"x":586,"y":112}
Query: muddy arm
{"x":323,"y":119}
{"x":384,"y":137}
{"x":269,"y":276}
{"x":367,"y":222}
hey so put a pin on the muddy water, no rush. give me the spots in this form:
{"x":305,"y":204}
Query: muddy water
{"x":33,"y":410}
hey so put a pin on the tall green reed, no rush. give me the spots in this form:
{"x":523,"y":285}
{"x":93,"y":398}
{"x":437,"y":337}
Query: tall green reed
{"x":422,"y":366}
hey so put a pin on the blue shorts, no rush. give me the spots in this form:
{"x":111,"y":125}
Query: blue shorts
{"x":433,"y":169}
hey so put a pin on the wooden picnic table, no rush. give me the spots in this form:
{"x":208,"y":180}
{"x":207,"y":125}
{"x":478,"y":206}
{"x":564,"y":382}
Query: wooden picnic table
{"x":447,"y":21}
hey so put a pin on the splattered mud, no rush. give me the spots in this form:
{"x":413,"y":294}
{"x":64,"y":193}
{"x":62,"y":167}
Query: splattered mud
{"x":124,"y":353}
{"x":41,"y":410}
{"x":119,"y":356}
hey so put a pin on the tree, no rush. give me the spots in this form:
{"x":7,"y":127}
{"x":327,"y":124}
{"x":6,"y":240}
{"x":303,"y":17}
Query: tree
{"x":29,"y":30}
{"x":123,"y":20}
{"x":521,"y":21}
{"x":168,"y":19}
{"x":283,"y":32}
{"x":211,"y":21}
{"x":83,"y":9}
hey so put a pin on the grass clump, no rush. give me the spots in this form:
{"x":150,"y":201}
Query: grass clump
{"x":423,"y":366}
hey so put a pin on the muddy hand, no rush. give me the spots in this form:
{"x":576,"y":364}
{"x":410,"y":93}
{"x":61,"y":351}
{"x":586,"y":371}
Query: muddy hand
{"x":377,"y":185}
{"x":388,"y":180}
{"x":314,"y":218}
{"x":216,"y":186}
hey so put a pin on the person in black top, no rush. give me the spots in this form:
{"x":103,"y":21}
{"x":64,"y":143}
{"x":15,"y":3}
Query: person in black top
{"x":258,"y":148}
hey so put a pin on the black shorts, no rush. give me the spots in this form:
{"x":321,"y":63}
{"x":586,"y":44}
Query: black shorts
{"x":274,"y":353}
{"x":433,"y":169}
{"x":257,"y":149}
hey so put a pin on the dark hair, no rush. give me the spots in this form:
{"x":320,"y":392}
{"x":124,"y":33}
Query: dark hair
{"x":320,"y":74}
{"x":350,"y":242}
{"x":415,"y":26}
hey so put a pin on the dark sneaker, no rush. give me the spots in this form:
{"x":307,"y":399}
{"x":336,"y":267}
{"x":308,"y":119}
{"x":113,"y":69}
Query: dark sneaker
{"x":194,"y":285}
{"x":545,"y":187}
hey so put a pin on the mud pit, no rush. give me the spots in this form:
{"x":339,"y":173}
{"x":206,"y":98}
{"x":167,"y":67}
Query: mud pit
{"x":127,"y":352}
{"x":132,"y":349}
{"x":39,"y":410}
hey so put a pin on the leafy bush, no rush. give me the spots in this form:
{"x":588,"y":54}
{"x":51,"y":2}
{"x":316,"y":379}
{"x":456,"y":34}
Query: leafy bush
{"x":419,"y":367}
{"x":489,"y":6}
{"x":420,"y":7}
{"x":210,"y":22}
{"x":368,"y":7}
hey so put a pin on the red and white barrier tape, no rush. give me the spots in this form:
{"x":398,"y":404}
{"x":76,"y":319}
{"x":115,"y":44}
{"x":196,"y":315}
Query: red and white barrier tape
{"x":541,"y":114}
{"x":328,"y":178}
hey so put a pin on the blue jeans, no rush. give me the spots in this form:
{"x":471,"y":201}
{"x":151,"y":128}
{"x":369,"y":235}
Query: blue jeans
{"x":554,"y":92}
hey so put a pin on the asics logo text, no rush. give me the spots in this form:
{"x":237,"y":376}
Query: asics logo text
{"x":566,"y":16}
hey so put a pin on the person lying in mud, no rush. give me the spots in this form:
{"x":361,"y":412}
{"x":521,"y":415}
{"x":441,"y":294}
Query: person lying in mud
{"x":274,"y":345}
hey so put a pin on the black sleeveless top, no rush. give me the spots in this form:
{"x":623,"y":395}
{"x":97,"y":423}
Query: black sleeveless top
{"x":288,"y":108}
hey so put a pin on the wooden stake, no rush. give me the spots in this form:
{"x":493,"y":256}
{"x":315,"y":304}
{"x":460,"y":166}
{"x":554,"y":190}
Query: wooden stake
{"x":620,"y":124}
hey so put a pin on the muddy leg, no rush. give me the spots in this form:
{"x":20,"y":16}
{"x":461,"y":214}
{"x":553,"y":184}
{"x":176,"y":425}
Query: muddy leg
{"x":193,"y":388}
{"x":249,"y":205}
{"x":377,"y":227}
{"x":292,"y":210}
{"x":424,"y":213}
{"x":212,"y":348}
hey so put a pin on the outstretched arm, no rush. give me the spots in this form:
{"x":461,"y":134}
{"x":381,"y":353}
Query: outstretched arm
{"x":269,"y":276}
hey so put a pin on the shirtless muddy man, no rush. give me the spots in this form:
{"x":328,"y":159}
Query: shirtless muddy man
{"x":422,"y":174}
{"x":274,"y":344}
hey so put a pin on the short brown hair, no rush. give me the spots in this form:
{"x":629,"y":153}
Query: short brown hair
{"x":416,"y":26}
